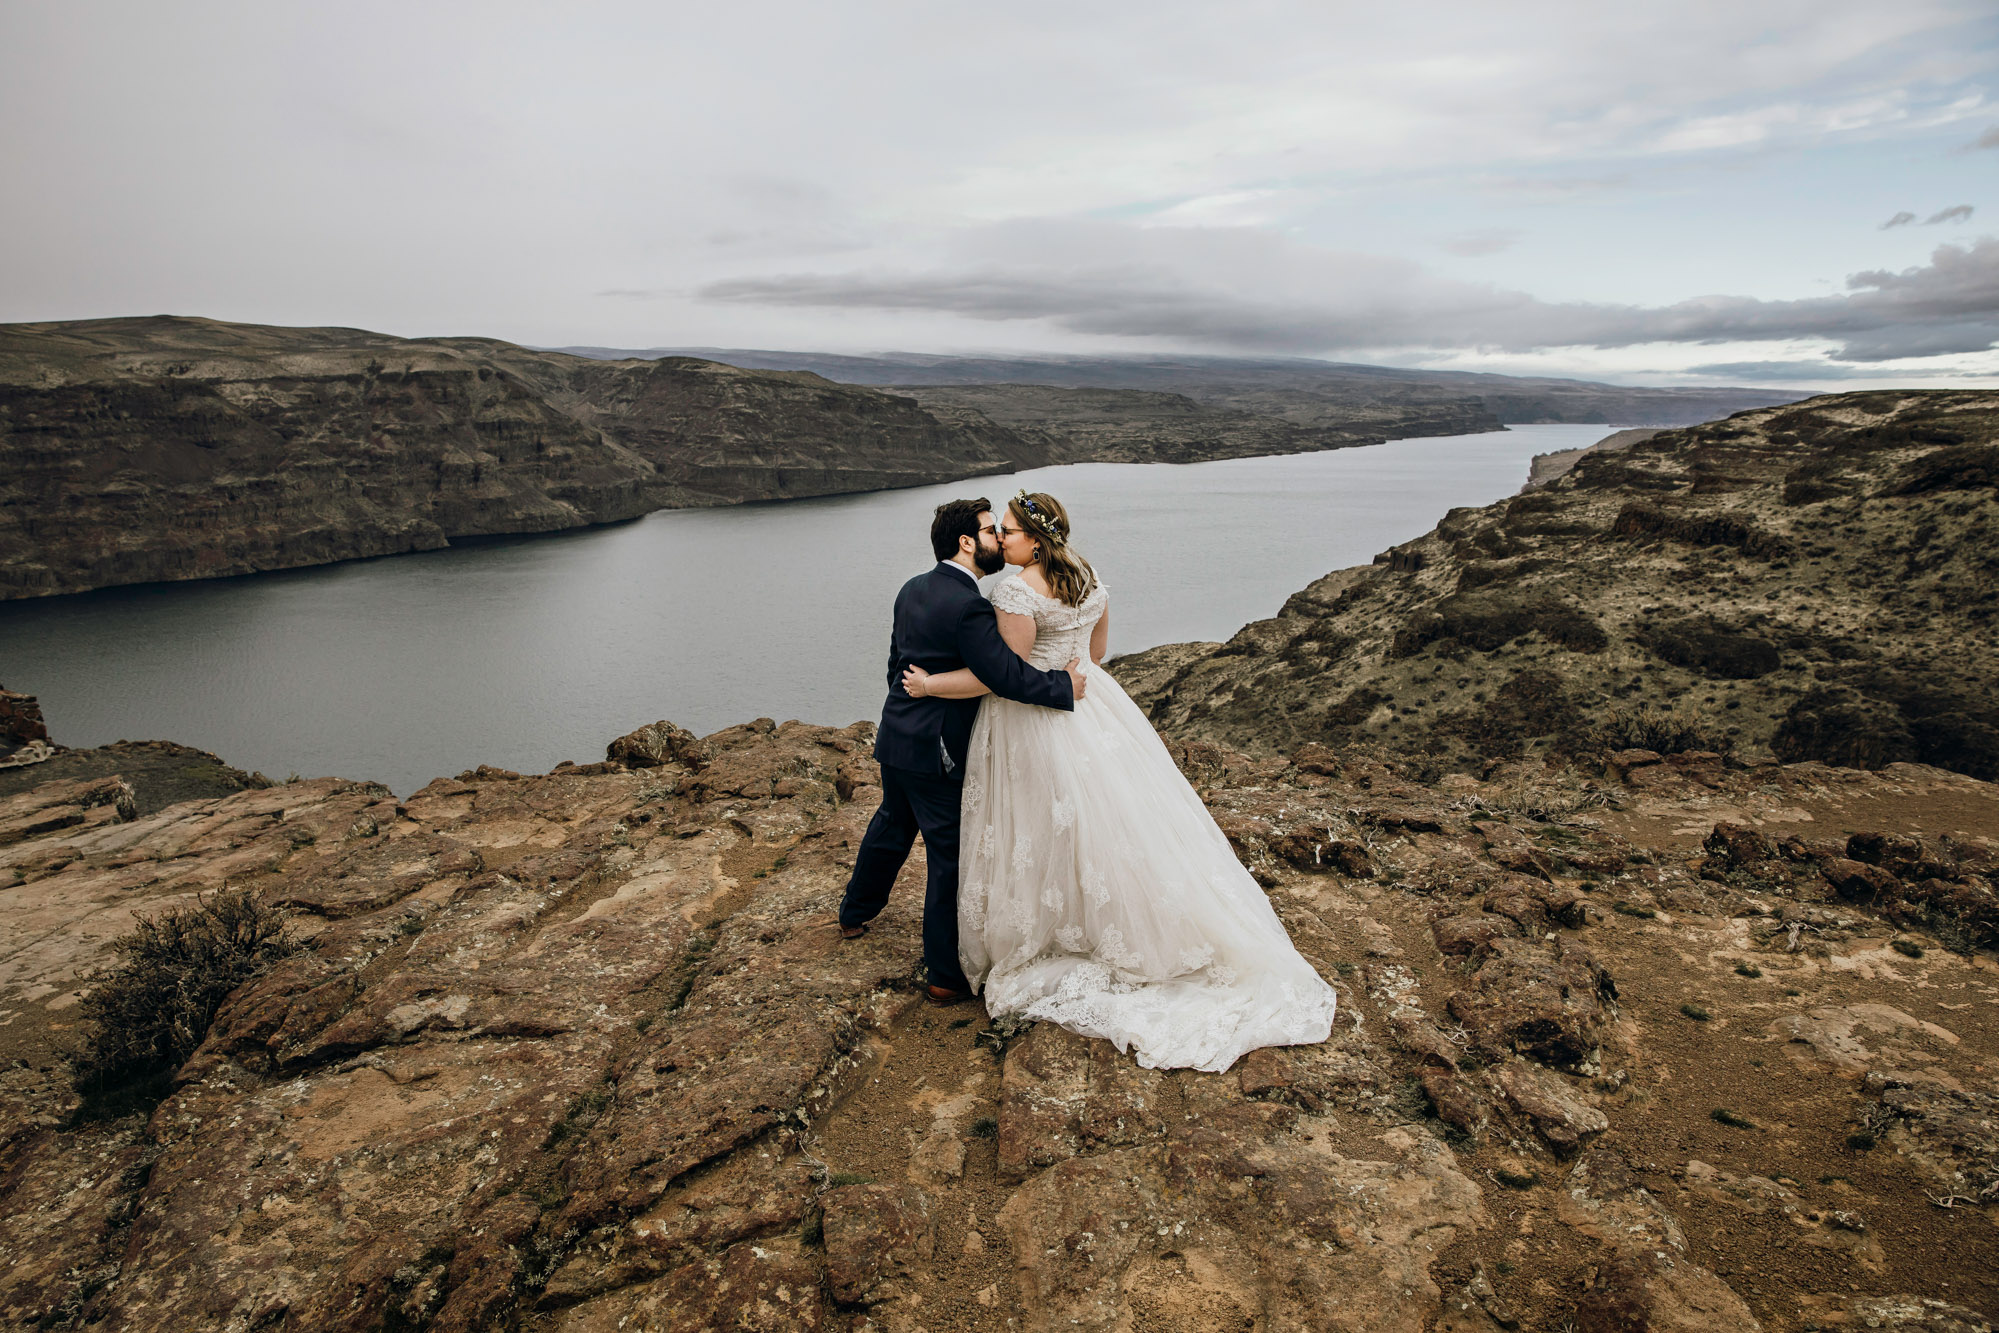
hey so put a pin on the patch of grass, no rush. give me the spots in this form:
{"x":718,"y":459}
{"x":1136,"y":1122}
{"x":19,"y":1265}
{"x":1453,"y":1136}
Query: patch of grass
{"x":1748,"y":970}
{"x":154,"y":1007}
{"x":1516,"y":1180}
{"x":1860,"y":1140}
{"x":1695,"y":1012}
{"x":957,"y":1023}
{"x":1721,"y":1115}
{"x":813,"y":1230}
{"x":698,"y":949}
{"x":1655,"y":729}
{"x":1344,"y":969}
{"x":1005,"y":1030}
{"x":1792,"y":990}
{"x":1907,"y":948}
{"x":547,"y":1196}
{"x":1503,"y":1267}
{"x":985,"y":1127}
{"x":582,"y":1114}
{"x":1629,"y":909}
{"x":839,"y":1178}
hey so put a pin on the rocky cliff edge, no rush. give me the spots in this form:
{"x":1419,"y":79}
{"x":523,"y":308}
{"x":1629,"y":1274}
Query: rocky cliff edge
{"x":1673,"y":1045}
{"x":1813,"y":582}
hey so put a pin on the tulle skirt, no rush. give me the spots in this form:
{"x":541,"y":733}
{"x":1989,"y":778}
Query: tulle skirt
{"x":1097,"y":893}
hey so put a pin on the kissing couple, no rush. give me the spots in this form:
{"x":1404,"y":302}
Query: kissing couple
{"x":1075,"y":877}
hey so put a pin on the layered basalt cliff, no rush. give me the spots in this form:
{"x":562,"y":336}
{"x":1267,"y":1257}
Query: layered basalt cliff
{"x":141,"y":450}
{"x":1297,"y":389}
{"x":1091,"y":425}
{"x":1809,"y":582}
{"x":1647,"y":1050}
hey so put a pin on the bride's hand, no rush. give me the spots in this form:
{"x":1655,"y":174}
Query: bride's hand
{"x":916,"y":682}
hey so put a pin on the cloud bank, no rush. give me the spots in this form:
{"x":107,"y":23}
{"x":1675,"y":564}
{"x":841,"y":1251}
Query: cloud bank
{"x":1254,"y":293}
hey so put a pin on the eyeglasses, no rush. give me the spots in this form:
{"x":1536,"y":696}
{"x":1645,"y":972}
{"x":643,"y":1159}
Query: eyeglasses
{"x":1002,"y":532}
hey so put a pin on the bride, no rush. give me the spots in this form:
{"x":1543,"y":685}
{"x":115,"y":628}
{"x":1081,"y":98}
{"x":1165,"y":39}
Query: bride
{"x":1096,"y":892}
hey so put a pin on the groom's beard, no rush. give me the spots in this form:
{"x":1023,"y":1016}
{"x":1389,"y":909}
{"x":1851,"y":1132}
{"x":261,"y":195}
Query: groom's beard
{"x":988,"y":561}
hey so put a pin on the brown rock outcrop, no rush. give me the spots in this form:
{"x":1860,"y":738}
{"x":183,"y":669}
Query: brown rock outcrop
{"x":20,"y":722}
{"x":1714,"y":588}
{"x":581,"y":1051}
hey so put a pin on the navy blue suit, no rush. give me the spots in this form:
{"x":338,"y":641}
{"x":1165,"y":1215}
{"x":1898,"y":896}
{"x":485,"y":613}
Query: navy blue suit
{"x":942,"y":622}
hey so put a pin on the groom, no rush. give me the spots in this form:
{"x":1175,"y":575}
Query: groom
{"x":942,"y":622}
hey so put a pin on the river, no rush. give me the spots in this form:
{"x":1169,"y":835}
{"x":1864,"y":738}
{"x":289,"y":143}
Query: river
{"x":524,"y":652}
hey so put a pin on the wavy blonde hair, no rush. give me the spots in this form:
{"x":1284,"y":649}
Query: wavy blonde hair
{"x":1042,"y":517}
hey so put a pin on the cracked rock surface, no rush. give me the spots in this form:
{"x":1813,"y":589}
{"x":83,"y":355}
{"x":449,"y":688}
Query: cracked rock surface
{"x":585,"y":1051}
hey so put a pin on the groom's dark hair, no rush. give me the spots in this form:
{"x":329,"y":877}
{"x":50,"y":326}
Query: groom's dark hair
{"x":958,"y":518}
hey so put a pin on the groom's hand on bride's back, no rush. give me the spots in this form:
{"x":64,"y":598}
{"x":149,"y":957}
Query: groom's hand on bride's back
{"x":1077,"y":682}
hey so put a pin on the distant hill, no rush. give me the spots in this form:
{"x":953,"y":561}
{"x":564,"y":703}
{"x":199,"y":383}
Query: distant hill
{"x":1299,"y":390}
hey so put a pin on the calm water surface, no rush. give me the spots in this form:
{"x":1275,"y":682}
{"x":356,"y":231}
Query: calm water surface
{"x":522,"y":653}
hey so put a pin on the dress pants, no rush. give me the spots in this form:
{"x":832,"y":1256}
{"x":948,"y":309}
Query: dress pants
{"x":913,"y":803}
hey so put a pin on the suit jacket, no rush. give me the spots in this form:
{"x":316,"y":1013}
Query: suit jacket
{"x":942,"y":622}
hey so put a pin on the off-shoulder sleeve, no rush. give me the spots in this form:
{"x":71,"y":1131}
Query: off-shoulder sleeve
{"x":1014,"y":596}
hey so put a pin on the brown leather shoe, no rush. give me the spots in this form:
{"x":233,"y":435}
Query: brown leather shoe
{"x":942,"y":995}
{"x":853,"y":932}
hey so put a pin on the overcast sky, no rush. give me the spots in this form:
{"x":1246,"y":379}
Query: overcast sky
{"x":1681,"y":192}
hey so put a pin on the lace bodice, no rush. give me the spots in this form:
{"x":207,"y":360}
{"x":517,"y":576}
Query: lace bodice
{"x":1061,"y":631}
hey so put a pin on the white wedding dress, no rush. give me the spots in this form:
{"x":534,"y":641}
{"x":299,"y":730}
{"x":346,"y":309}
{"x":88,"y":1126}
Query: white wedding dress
{"x":1095,"y":890}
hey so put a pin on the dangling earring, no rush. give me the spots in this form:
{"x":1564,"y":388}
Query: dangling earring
{"x":1035,"y":559}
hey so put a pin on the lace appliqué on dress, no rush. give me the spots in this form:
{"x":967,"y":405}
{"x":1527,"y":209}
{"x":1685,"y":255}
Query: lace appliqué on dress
{"x":1012,"y":595}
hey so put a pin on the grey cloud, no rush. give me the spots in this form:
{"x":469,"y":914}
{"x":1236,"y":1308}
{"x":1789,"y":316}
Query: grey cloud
{"x":1287,"y":299}
{"x":1955,"y":213}
{"x":1556,"y":186}
{"x":1489,"y":241}
{"x":1901,"y":219}
{"x":1784,"y":372}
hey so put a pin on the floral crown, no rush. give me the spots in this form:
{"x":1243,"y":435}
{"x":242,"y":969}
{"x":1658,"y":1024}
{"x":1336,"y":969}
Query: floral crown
{"x":1046,"y":522}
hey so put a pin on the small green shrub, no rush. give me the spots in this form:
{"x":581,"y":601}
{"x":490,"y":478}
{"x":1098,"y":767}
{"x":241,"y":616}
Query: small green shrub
{"x":1695,"y":1012}
{"x":154,"y":1007}
{"x":1907,"y":948}
{"x":1516,"y":1180}
{"x":1723,"y":1116}
{"x":839,"y":1178}
{"x":985,"y":1127}
{"x":1748,"y":970}
{"x":1627,"y":909}
{"x":1860,"y":1140}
